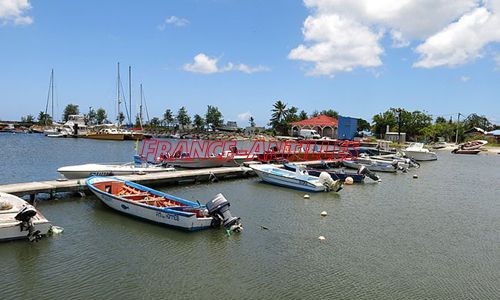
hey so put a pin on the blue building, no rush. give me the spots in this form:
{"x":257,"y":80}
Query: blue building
{"x":347,"y":128}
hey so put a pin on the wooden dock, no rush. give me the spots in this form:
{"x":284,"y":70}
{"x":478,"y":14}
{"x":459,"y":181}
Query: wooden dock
{"x":154,"y":179}
{"x":52,"y":187}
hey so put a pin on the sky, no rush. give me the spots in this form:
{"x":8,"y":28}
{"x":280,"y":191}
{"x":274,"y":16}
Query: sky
{"x":358,"y":57}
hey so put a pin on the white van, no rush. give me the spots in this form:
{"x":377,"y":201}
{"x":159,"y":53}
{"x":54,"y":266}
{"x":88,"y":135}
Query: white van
{"x":309,"y":134}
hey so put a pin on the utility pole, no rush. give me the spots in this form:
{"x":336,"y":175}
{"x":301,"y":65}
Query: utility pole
{"x":399,"y":125}
{"x":458,"y":124}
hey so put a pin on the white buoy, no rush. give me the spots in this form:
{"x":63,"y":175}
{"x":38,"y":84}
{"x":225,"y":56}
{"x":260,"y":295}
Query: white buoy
{"x":306,"y":196}
{"x":415,"y":176}
{"x":321,"y":238}
{"x":324,"y":213}
{"x":349,"y":180}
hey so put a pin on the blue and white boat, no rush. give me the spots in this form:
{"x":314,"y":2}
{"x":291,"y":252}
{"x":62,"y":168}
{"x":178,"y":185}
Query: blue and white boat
{"x":299,"y":179}
{"x":337,"y":174}
{"x":140,"y":201}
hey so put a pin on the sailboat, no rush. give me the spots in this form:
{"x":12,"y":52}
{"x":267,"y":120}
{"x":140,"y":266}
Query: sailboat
{"x":116,"y":132}
{"x":54,"y":129}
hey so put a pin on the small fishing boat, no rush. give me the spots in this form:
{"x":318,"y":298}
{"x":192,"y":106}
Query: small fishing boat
{"x":87,"y":170}
{"x":338,"y":174}
{"x":20,"y":220}
{"x":299,"y":179}
{"x":419,"y":153}
{"x":140,"y":201}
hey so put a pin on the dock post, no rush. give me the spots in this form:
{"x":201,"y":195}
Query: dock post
{"x":32,"y":198}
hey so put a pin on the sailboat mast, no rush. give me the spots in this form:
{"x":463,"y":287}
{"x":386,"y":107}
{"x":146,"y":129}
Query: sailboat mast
{"x":52,"y":91}
{"x":140,"y":110}
{"x":118,"y":96}
{"x":130,"y":94}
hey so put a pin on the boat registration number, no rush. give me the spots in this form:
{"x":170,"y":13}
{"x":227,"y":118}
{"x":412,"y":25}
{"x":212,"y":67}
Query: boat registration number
{"x":163,"y":215}
{"x":101,"y":173}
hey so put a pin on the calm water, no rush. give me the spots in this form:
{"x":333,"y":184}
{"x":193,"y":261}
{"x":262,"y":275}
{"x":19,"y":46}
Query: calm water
{"x":435,"y":237}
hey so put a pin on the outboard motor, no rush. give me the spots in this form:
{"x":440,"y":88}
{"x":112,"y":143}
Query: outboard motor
{"x":329,"y":183}
{"x":25,"y":215}
{"x":218,"y":208}
{"x":399,"y":166}
{"x":363,"y":170}
{"x":413,"y":163}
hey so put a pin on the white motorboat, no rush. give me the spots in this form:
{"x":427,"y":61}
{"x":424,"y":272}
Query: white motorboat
{"x":159,"y":207}
{"x":87,"y":170}
{"x":20,"y":220}
{"x":299,"y":179}
{"x":419,"y":153}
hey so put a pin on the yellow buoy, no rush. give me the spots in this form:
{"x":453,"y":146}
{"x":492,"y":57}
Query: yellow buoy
{"x":349,"y":180}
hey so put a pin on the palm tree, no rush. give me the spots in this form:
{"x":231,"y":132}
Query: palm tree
{"x":278,"y":117}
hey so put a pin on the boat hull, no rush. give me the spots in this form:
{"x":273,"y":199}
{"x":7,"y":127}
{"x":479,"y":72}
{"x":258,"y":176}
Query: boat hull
{"x":376,"y":167}
{"x":197,"y":163}
{"x":106,"y":136}
{"x":358,"y":178}
{"x":420,"y":156}
{"x":463,"y":151}
{"x":84,"y":171}
{"x":290,"y":182}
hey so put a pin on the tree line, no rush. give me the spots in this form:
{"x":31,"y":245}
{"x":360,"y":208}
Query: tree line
{"x":417,"y":125}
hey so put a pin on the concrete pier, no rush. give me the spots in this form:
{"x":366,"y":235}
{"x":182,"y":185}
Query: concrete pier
{"x":154,"y":179}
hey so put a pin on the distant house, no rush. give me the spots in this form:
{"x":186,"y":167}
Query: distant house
{"x":394,"y":137}
{"x":230,"y":126}
{"x":324,"y":125}
{"x":254,"y":130}
{"x":495,"y":134}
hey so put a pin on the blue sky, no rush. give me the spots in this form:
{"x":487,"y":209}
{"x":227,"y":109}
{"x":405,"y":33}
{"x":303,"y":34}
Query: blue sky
{"x":356,"y":57}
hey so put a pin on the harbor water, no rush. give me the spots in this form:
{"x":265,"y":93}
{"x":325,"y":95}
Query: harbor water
{"x":432,"y":237}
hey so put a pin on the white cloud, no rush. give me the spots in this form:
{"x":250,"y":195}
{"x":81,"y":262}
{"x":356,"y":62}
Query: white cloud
{"x":464,"y":78}
{"x":208,"y":65}
{"x":461,"y":41}
{"x":13,"y":11}
{"x":340,"y":35}
{"x":245,"y":116}
{"x":174,"y":21}
{"x":336,"y":43}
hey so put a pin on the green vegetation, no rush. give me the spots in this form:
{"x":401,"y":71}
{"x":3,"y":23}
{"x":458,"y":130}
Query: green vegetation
{"x":70,"y":109}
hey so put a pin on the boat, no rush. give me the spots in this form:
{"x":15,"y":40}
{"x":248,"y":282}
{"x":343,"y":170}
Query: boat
{"x":439,"y":145}
{"x":106,"y":132}
{"x":142,"y":202}
{"x":21,"y":220}
{"x":299,"y":179}
{"x":87,"y":170}
{"x":472,"y":145}
{"x":464,"y":151}
{"x":338,"y":174}
{"x":236,"y":158}
{"x":373,"y":165}
{"x":419,"y":153}
{"x":185,"y":160}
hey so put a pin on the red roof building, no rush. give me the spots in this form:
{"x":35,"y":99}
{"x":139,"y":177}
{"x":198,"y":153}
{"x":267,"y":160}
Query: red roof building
{"x":324,"y":125}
